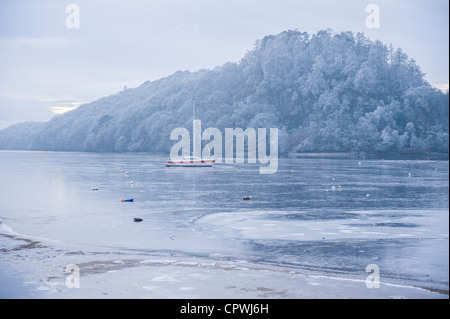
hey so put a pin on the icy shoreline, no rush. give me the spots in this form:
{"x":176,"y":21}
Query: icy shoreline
{"x":202,"y":279}
{"x":38,"y":270}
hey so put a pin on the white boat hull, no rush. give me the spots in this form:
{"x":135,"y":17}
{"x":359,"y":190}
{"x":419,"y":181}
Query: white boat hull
{"x":191,"y":163}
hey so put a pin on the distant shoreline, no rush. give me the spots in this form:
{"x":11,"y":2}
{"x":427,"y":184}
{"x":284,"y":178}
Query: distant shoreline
{"x":400,"y":155}
{"x":403,"y":155}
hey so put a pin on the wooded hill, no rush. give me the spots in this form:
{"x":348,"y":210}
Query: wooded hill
{"x":325,"y":92}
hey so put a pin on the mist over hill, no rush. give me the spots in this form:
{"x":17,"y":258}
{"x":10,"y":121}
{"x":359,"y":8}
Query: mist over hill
{"x":325,"y":92}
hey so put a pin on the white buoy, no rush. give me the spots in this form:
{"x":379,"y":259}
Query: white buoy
{"x":409,"y":174}
{"x":333,"y":188}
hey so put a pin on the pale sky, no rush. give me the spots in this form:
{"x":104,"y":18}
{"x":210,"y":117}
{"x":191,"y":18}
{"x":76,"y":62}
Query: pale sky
{"x":47,"y":68}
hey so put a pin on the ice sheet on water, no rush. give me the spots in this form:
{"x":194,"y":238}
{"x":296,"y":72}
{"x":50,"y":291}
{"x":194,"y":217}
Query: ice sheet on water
{"x":317,"y":225}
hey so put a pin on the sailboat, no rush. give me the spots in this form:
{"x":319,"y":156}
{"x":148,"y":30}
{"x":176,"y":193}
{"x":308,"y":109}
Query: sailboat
{"x":191,"y":161}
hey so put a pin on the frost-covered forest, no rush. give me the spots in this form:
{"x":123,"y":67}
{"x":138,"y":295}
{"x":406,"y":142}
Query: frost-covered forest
{"x":325,"y":92}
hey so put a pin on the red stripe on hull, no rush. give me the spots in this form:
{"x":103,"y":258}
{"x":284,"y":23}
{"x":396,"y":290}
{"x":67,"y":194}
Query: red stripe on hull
{"x":191,"y":163}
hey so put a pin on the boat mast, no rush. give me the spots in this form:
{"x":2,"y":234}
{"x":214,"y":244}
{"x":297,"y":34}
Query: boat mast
{"x":193,"y":107}
{"x":193,"y":126}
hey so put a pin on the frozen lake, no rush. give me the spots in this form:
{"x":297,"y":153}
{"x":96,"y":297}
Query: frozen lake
{"x":315,"y":219}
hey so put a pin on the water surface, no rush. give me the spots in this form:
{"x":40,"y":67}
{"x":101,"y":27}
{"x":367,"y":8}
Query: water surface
{"x":326,"y":216}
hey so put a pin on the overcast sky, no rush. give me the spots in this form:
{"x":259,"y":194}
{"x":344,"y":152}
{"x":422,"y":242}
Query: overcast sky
{"x":47,"y":67}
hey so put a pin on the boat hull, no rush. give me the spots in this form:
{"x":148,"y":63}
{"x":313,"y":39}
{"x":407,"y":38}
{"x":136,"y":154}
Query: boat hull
{"x":198,"y":163}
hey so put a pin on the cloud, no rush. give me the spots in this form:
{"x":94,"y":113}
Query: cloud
{"x":8,"y":45}
{"x":15,"y":110}
{"x":441,"y":86}
{"x":63,"y":109}
{"x":21,"y":109}
{"x":62,"y":106}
